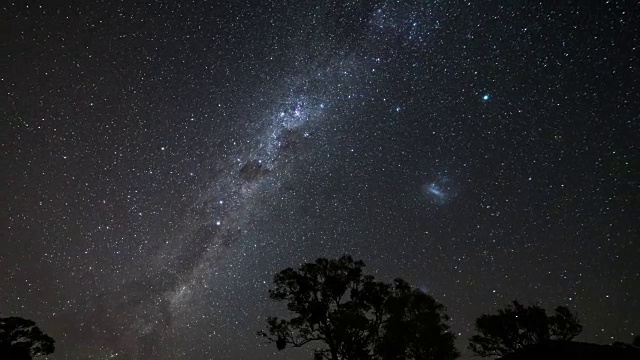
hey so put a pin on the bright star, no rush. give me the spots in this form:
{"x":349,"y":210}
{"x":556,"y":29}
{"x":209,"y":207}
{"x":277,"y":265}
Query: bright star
{"x":485,"y":97}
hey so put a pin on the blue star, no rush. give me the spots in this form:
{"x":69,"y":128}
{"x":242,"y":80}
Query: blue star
{"x":486,"y":97}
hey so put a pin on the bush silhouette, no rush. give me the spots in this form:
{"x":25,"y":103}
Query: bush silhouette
{"x":21,"y":339}
{"x":518,"y":326}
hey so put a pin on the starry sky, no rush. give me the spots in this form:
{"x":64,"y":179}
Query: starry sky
{"x":163,"y":159}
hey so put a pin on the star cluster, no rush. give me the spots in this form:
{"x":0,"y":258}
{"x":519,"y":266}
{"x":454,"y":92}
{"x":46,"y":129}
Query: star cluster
{"x":163,"y":160}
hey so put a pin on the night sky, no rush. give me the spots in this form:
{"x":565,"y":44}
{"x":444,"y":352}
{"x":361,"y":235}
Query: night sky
{"x":163,"y":159}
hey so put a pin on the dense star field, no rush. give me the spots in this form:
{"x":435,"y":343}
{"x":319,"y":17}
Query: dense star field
{"x":162,"y":160}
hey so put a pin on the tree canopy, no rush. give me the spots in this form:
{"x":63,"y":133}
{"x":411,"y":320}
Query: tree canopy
{"x":21,"y":339}
{"x":518,"y":326}
{"x":348,"y":315}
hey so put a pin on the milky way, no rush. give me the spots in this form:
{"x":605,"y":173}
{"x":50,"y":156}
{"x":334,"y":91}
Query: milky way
{"x":165,"y":160}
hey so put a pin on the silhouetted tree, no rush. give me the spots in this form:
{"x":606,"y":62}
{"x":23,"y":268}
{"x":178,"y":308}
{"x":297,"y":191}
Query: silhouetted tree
{"x":352,"y":317}
{"x":21,"y":339}
{"x":518,"y":326}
